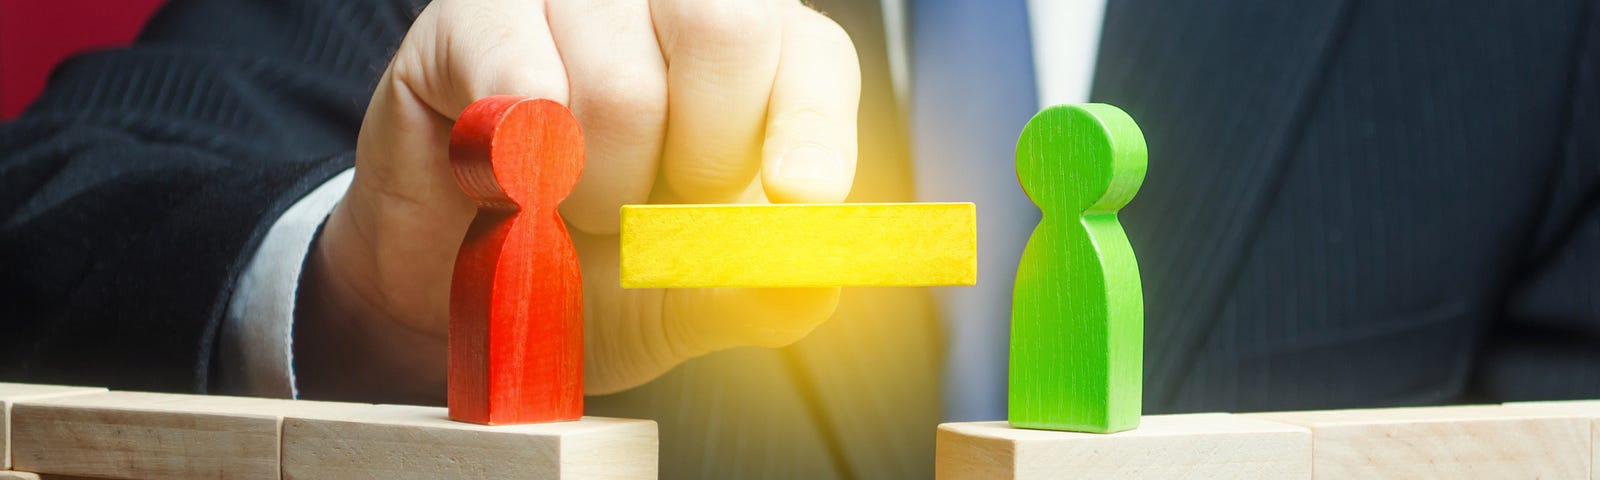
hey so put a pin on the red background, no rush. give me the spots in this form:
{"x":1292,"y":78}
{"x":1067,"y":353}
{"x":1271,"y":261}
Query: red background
{"x":35,"y":35}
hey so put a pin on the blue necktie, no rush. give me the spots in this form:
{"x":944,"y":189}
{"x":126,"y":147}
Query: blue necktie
{"x":972,"y":85}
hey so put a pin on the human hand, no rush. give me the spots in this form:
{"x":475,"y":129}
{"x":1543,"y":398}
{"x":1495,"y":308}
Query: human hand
{"x":762,"y":95}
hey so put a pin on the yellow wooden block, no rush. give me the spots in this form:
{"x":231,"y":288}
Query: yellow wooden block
{"x":799,"y":245}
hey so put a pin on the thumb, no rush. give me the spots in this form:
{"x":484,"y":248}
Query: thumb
{"x":700,"y":321}
{"x":455,"y":53}
{"x":459,"y":52}
{"x":401,"y":222}
{"x":635,"y":335}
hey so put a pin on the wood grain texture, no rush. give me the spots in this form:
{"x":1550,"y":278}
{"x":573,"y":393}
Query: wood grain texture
{"x":1077,"y":320}
{"x":1589,"y":409}
{"x":15,"y":475}
{"x":152,"y":435}
{"x":516,"y":297}
{"x":799,"y":245}
{"x":13,"y":392}
{"x":397,"y":442}
{"x":1445,"y":442}
{"x":1199,"y":446}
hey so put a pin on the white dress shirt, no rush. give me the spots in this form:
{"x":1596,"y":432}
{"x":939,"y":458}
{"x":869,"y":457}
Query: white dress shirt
{"x":258,"y":334}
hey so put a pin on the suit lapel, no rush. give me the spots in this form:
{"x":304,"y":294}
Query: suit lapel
{"x":1222,"y":90}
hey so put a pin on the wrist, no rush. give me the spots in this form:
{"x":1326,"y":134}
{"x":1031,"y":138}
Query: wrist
{"x":346,"y":346}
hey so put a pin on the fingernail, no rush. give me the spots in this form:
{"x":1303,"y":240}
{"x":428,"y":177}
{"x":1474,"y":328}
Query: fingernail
{"x":809,"y":163}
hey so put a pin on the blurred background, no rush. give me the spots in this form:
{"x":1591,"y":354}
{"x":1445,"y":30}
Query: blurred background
{"x":35,"y":36}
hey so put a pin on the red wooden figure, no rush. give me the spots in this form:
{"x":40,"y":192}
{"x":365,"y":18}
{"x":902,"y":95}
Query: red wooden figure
{"x":516,"y":299}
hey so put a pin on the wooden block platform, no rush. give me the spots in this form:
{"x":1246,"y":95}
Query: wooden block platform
{"x":1212,"y":445}
{"x":60,"y":433}
{"x":15,"y":475}
{"x":1519,"y":440}
{"x":1445,"y":442}
{"x":809,"y":245}
{"x":391,"y":441}
{"x":152,"y":435}
{"x":13,"y":392}
{"x":1589,"y":409}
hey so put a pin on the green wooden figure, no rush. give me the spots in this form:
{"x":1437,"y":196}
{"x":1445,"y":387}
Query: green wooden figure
{"x":1077,"y":314}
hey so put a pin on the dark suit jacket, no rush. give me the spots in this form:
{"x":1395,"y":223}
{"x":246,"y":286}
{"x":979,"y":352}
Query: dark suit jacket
{"x":1356,"y":203}
{"x":136,"y":187}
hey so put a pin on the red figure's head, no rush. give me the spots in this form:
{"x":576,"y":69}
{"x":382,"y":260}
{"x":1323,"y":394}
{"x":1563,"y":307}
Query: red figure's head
{"x":517,"y":152}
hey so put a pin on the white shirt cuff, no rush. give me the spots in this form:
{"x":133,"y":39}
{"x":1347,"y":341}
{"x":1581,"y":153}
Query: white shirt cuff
{"x":258,"y":334}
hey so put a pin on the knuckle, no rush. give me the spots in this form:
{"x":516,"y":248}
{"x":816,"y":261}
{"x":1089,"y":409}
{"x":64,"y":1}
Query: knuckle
{"x":526,"y":81}
{"x":411,"y":58}
{"x":823,"y":28}
{"x":711,"y":175}
{"x":834,"y":38}
{"x":618,"y":94}
{"x":725,"y":22}
{"x":825,"y":34}
{"x":771,"y":338}
{"x":805,"y":116}
{"x":780,"y":332}
{"x":477,"y":52}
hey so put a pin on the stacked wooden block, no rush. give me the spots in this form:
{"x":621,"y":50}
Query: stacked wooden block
{"x":66,"y":432}
{"x":1522,"y":440}
{"x":77,"y":431}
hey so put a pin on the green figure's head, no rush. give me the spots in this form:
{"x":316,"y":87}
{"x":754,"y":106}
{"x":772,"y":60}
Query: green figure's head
{"x":1086,"y":158}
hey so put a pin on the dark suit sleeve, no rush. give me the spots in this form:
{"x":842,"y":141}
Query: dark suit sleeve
{"x":1548,"y":344}
{"x":139,"y":184}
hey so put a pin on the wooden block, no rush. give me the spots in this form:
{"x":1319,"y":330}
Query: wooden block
{"x":1445,"y":442}
{"x":516,"y":297}
{"x":388,"y":441}
{"x":1077,"y":318}
{"x":153,"y":435}
{"x":1589,"y":409}
{"x":15,"y":475}
{"x":795,"y":245}
{"x":12,"y":392}
{"x":1207,"y":445}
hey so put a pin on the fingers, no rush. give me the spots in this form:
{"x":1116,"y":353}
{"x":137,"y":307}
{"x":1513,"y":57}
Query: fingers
{"x":634,"y":335}
{"x":810,"y":151}
{"x":624,"y":342}
{"x":619,"y":94}
{"x":721,"y":58}
{"x":455,"y":53}
{"x":480,"y":48}
{"x":753,"y":86}
{"x":662,"y":328}
{"x":701,"y":321}
{"x":404,"y":206}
